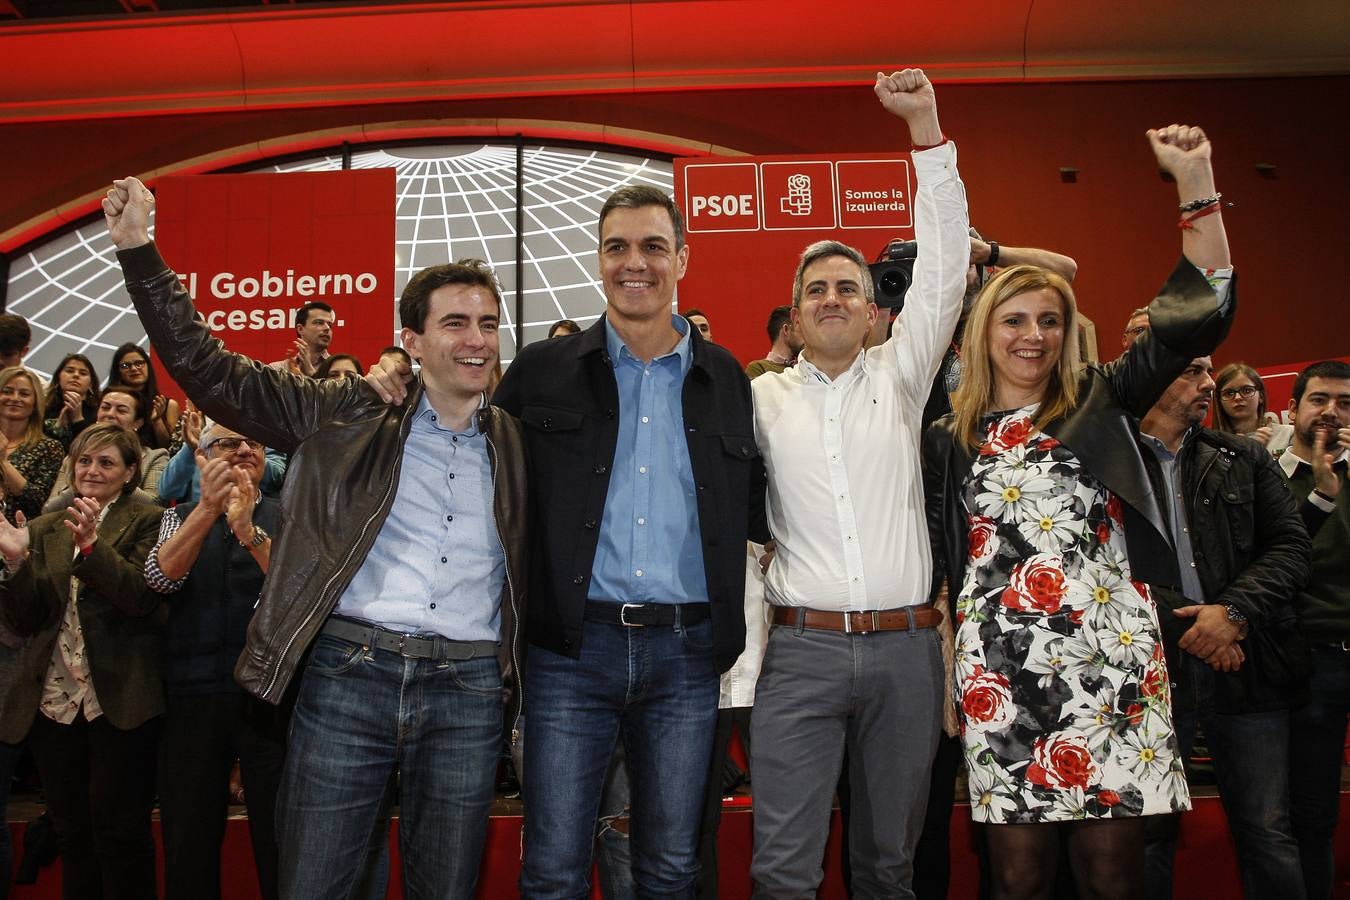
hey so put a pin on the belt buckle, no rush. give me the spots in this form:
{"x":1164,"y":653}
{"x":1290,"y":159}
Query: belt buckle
{"x":1345,"y":646}
{"x":876,"y":620}
{"x":623,"y":616}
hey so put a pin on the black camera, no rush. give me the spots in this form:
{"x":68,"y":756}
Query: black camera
{"x":893,"y":272}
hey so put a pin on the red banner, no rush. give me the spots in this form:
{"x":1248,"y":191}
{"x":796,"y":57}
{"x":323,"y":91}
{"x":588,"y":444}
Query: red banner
{"x":749,"y":218}
{"x":252,"y":249}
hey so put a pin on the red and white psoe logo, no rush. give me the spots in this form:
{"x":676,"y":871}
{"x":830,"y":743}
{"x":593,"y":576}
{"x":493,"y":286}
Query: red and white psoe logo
{"x":721,"y":197}
{"x":798,"y":196}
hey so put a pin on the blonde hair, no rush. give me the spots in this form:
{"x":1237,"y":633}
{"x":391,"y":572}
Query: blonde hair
{"x":33,"y":433}
{"x":108,"y":434}
{"x":978,"y":390}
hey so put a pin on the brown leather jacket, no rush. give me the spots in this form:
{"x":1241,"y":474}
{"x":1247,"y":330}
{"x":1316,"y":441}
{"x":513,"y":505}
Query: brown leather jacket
{"x":346,"y":448}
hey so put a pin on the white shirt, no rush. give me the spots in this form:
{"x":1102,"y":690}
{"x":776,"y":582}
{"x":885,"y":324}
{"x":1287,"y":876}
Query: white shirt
{"x":845,"y":492}
{"x":1289,"y":461}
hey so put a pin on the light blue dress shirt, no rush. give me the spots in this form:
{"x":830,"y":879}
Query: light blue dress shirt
{"x":437,"y":566}
{"x":651,"y":547}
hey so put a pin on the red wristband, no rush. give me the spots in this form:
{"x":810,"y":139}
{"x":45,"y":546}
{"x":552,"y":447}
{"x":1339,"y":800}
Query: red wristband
{"x":917,"y":147}
{"x":1188,"y":222}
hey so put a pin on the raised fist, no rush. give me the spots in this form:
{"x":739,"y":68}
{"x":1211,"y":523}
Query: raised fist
{"x":907,"y":93}
{"x":126,"y":209}
{"x":1178,"y":146}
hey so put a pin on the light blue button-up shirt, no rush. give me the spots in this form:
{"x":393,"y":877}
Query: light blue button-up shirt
{"x":437,"y":566}
{"x":651,"y":547}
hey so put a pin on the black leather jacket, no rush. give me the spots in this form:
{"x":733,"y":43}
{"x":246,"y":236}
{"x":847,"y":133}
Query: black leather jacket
{"x":346,"y":448}
{"x":1102,"y":430}
{"x":1251,"y":550}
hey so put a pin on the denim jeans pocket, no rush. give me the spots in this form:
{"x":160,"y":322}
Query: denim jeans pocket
{"x":698,"y":637}
{"x":334,"y":656}
{"x":477,"y":676}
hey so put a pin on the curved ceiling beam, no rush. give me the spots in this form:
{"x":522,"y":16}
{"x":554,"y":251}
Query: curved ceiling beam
{"x":341,"y":55}
{"x":490,"y":129}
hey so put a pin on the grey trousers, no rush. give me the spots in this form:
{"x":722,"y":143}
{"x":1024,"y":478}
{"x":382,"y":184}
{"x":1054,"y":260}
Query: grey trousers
{"x":879,"y":695}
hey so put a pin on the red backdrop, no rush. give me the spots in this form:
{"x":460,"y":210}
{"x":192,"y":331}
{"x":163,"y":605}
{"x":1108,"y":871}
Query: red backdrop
{"x":252,"y":249}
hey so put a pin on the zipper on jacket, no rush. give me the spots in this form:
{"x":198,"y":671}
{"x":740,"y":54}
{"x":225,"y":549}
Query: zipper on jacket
{"x":494,"y":459}
{"x":404,"y":428}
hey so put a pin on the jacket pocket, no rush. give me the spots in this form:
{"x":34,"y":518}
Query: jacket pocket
{"x":740,"y":446}
{"x":551,"y":419}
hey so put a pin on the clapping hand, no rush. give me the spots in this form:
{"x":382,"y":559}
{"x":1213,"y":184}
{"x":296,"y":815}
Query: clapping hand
{"x":82,"y":521}
{"x":13,"y":539}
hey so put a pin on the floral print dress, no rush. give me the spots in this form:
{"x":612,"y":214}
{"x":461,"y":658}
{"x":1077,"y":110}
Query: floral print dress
{"x":1062,"y":690}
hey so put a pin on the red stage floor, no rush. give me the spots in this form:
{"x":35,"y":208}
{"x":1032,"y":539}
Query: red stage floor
{"x":1206,"y":866}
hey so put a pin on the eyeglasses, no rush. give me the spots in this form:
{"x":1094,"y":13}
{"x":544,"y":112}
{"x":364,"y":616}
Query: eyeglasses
{"x":138,"y":364}
{"x":1246,"y":392}
{"x":229,"y":445}
{"x":1136,"y":331}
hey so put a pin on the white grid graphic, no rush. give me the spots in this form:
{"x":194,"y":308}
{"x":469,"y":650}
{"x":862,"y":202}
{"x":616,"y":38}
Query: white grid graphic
{"x":454,"y":201}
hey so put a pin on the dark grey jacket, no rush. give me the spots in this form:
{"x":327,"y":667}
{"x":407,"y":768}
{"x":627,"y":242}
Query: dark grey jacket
{"x":122,"y":619}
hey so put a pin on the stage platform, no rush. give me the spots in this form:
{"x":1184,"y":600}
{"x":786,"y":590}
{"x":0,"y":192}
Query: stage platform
{"x":1206,"y":866}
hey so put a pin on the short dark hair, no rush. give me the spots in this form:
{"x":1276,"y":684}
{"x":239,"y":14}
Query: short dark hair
{"x":397,"y":351}
{"x":636,"y":196}
{"x":302,"y":314}
{"x":325,"y":369}
{"x":416,"y":299}
{"x":135,"y":394}
{"x":778,"y":317}
{"x":694,"y":311}
{"x":1327,"y":368}
{"x":15,"y":334}
{"x":572,"y":327}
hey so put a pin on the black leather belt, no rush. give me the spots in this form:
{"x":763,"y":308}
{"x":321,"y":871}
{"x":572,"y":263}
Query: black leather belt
{"x":414,"y":646}
{"x":636,"y":615}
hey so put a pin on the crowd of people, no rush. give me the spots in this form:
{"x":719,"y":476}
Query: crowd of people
{"x":911,"y":540}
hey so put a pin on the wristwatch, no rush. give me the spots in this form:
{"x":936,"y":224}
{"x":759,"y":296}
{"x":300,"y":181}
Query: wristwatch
{"x":259,"y":536}
{"x":1235,"y":615}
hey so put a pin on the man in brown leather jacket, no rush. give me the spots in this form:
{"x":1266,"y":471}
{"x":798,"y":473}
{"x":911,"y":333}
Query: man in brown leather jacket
{"x":395,"y":577}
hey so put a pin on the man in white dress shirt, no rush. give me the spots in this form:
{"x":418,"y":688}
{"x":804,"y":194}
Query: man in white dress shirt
{"x":853,"y":658}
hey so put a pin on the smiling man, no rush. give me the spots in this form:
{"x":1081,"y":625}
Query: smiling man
{"x":396,"y":580}
{"x":853,"y":656}
{"x":641,"y":449}
{"x":1242,"y":551}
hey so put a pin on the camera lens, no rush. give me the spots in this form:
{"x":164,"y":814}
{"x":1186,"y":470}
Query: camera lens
{"x":894,"y":283}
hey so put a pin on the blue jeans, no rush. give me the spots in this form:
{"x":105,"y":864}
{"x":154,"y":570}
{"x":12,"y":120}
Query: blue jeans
{"x":1251,"y":760}
{"x":1318,"y":744}
{"x":359,"y":715}
{"x":654,"y":688}
{"x":614,"y":858}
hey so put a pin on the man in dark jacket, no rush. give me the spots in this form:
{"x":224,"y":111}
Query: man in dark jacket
{"x":1242,"y":551}
{"x":397,"y":570}
{"x":210,"y":560}
{"x":641,"y":449}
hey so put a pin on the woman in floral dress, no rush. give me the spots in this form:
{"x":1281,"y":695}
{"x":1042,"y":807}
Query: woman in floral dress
{"x":1048,"y":533}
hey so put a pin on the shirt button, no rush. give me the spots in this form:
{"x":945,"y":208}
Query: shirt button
{"x":645,"y":420}
{"x":641,"y":520}
{"x":433,"y":606}
{"x":449,"y":518}
{"x":443,"y":559}
{"x":642,"y":470}
{"x":638,"y":573}
{"x":454,"y":439}
{"x":576,"y":579}
{"x":452,"y":476}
